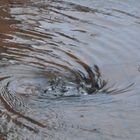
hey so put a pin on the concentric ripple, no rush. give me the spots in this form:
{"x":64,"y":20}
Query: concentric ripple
{"x":53,"y":53}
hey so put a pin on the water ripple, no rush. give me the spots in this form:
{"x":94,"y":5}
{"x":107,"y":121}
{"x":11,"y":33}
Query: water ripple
{"x":65,"y":62}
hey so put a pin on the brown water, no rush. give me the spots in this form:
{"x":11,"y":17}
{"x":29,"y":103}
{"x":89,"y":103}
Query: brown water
{"x":69,"y":70}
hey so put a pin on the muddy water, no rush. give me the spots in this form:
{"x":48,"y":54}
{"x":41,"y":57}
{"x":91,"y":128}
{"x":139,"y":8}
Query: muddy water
{"x":69,"y":69}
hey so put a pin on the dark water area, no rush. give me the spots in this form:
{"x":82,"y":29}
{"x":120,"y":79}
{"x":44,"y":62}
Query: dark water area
{"x":69,"y":70}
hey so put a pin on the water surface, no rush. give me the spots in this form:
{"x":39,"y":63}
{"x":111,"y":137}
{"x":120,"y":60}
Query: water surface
{"x":69,"y":69}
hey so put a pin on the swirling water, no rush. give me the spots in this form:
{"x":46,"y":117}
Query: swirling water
{"x":69,"y":69}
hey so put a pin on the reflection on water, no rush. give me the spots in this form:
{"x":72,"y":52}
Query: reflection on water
{"x":63,"y":65}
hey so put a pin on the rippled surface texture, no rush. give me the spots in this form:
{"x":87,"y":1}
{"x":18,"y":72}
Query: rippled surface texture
{"x":69,"y":69}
